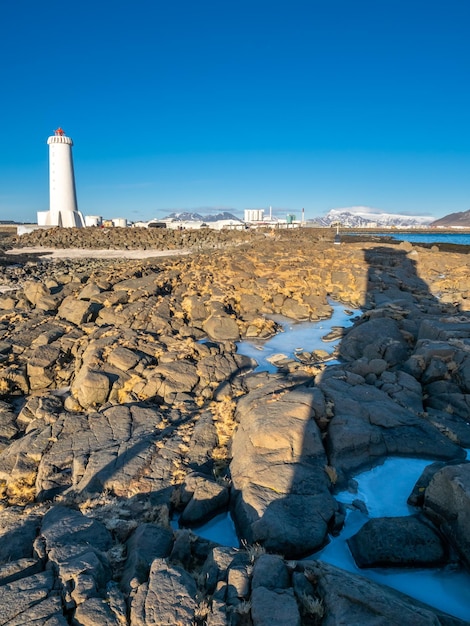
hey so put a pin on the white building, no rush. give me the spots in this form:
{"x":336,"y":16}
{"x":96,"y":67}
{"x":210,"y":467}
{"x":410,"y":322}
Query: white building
{"x":254,"y":215}
{"x":63,"y":210}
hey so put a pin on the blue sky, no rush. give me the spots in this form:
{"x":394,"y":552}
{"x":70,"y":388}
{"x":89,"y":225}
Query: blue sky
{"x":216,"y":104}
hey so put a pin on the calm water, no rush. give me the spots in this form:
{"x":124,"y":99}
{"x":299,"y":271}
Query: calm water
{"x":431,"y":237}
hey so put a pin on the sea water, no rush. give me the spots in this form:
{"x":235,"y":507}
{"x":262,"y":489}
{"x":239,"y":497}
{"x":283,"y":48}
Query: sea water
{"x":431,"y":237}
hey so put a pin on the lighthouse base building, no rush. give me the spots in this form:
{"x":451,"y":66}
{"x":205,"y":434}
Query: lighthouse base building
{"x":63,"y":209}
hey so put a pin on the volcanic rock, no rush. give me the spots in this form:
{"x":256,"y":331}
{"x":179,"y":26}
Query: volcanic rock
{"x":447,"y":504}
{"x":398,"y":541}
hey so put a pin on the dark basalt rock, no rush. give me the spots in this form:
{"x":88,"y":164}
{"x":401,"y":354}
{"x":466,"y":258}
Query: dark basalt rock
{"x":447,"y":504}
{"x":398,"y":542}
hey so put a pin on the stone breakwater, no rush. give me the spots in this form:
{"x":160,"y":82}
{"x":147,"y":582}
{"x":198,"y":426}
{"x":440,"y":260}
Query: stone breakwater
{"x":123,"y":401}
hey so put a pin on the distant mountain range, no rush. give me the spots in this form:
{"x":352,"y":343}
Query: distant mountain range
{"x":186,"y":216}
{"x":453,"y":220}
{"x":365,"y":217}
{"x":351,"y":217}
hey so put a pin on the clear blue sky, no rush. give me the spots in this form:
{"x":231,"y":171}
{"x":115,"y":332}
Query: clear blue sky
{"x":198,"y":105}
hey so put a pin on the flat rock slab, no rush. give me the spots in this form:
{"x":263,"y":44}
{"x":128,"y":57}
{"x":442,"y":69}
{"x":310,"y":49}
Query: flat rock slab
{"x":29,"y":599}
{"x":89,"y":453}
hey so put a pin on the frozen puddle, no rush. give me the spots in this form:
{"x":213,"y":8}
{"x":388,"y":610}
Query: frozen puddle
{"x":385,"y":490}
{"x":446,"y":589}
{"x":219,"y":529}
{"x":297,"y":335}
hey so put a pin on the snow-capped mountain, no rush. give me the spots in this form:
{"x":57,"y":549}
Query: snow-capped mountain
{"x":187,"y":216}
{"x":366,"y":217}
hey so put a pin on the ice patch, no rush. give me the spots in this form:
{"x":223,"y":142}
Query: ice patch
{"x":385,"y":490}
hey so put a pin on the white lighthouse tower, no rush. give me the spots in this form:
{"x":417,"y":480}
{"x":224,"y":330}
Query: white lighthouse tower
{"x":63,"y":209}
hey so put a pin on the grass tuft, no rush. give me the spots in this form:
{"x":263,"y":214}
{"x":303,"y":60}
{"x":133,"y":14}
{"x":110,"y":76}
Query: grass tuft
{"x":331,"y":473}
{"x":254,"y":551}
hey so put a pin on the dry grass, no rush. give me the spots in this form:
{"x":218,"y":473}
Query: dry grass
{"x":23,"y":490}
{"x":254,"y":551}
{"x":131,"y":389}
{"x":447,"y":432}
{"x":225,"y":424}
{"x":201,"y":611}
{"x":312,"y":606}
{"x":276,"y":396}
{"x":331,"y":473}
{"x":243,"y":608}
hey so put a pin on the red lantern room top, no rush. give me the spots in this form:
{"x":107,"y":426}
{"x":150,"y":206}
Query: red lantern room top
{"x":59,"y":132}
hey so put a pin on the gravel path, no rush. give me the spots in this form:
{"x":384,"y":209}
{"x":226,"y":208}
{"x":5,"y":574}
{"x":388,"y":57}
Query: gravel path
{"x":83,"y":253}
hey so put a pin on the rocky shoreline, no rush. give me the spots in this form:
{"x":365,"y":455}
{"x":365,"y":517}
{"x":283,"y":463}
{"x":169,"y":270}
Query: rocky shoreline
{"x":124,"y":402}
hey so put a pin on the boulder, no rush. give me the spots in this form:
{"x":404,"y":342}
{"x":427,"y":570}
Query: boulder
{"x":7,"y":303}
{"x":444,"y":329}
{"x":351,"y":599}
{"x":221,"y":328}
{"x":203,"y":497}
{"x":223,"y":367}
{"x":398,"y":542}
{"x":89,"y":291}
{"x":378,"y":338}
{"x":19,"y":464}
{"x":416,"y":497}
{"x":76,"y":545}
{"x":18,"y":530}
{"x":194,"y":308}
{"x":403,"y":388}
{"x":123,"y":358}
{"x":270,"y":571}
{"x":147,"y":542}
{"x":218,"y":561}
{"x":112,"y":449}
{"x":295,"y":310}
{"x":250,"y":303}
{"x":447,"y":504}
{"x":281,"y":489}
{"x":91,"y":388}
{"x":172,"y":378}
{"x":8,"y":427}
{"x":368,"y":425}
{"x":169,"y":597}
{"x":34,"y":291}
{"x":77,"y":311}
{"x":98,"y":611}
{"x":68,"y":532}
{"x":274,"y":607}
{"x":40,"y":366}
{"x":453,"y":425}
{"x":203,"y":441}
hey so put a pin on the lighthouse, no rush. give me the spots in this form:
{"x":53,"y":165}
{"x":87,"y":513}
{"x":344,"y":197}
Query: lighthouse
{"x":63,"y":209}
